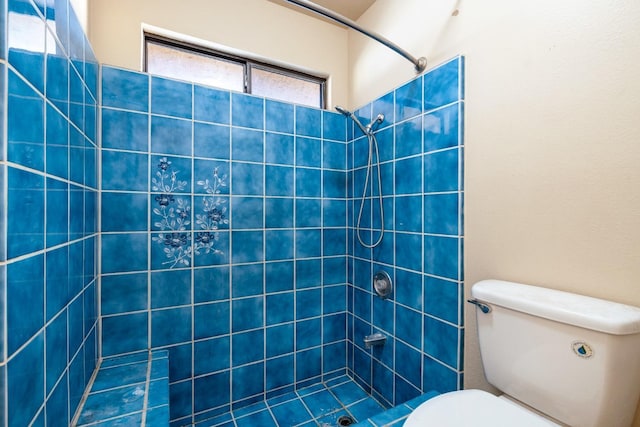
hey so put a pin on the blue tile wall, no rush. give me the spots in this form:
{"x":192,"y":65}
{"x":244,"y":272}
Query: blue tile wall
{"x":421,"y":149}
{"x":49,"y":178}
{"x":219,"y":243}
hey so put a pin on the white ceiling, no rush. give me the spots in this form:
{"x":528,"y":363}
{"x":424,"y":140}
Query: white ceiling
{"x":351,"y":9}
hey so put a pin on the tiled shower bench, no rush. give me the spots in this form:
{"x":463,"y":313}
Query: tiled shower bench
{"x":131,"y":390}
{"x":396,"y":416}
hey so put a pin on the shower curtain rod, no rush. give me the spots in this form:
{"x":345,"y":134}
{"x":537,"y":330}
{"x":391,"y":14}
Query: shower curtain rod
{"x":419,"y":63}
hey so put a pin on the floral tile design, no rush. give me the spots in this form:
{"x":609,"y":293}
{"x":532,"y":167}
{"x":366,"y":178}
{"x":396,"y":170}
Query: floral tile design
{"x":172,"y":215}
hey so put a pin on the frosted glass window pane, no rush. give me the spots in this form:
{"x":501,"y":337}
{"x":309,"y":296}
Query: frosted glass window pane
{"x":191,"y":66}
{"x":285,"y":88}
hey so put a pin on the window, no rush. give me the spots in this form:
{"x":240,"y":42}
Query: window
{"x":185,"y":61}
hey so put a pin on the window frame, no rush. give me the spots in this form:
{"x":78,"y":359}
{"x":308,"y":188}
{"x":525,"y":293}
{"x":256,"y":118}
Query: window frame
{"x":247,"y":63}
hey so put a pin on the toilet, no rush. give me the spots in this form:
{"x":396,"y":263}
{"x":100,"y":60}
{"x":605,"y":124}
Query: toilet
{"x":560,"y":359}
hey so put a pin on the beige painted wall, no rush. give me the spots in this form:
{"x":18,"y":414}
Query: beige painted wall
{"x":552,"y":135}
{"x":257,"y":27}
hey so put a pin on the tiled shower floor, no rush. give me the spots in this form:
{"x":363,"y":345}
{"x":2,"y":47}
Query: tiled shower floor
{"x":317,"y":405}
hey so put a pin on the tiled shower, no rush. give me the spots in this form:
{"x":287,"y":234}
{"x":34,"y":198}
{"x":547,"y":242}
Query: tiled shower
{"x":223,"y":227}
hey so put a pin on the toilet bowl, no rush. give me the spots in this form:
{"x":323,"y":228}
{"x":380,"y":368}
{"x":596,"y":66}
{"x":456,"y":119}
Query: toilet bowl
{"x":475,"y":408}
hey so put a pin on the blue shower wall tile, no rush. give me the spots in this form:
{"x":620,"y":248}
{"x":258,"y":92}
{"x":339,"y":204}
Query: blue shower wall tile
{"x":211,"y":141}
{"x":171,"y":97}
{"x":442,"y":299}
{"x":279,"y":149}
{"x":247,"y":111}
{"x":57,"y":281}
{"x":409,"y":289}
{"x":247,"y":347}
{"x":57,"y":212}
{"x":409,"y":100}
{"x":444,"y":84}
{"x":308,"y":152}
{"x":247,"y":280}
{"x":278,"y":245}
{"x":25,"y":232}
{"x":308,"y":304}
{"x":211,"y":355}
{"x":308,"y":243}
{"x":247,"y":179}
{"x":247,"y":212}
{"x":279,"y":372}
{"x":442,"y":213}
{"x":125,"y":130}
{"x":441,"y":341}
{"x":124,"y":252}
{"x":407,"y":362}
{"x":334,"y":184}
{"x":247,"y":381}
{"x":280,"y":339}
{"x":441,"y":256}
{"x":279,"y":308}
{"x":124,"y":89}
{"x":442,"y":128}
{"x":307,"y":335}
{"x":25,"y":301}
{"x":406,"y":330}
{"x":334,"y":126}
{"x":409,"y":251}
{"x":308,"y":213}
{"x":334,"y":155}
{"x":211,"y":320}
{"x":308,"y":273}
{"x":334,"y":328}
{"x":308,"y":182}
{"x":279,"y":276}
{"x":124,"y":211}
{"x":28,"y":63}
{"x":405,"y":213}
{"x":279,"y":212}
{"x":334,"y":270}
{"x":211,"y":284}
{"x":334,"y":213}
{"x":124,"y":171}
{"x":408,"y":176}
{"x":202,"y":395}
{"x":171,"y":136}
{"x":25,"y":130}
{"x":247,"y":246}
{"x":25,"y":383}
{"x":308,"y":122}
{"x":409,"y":138}
{"x":279,"y":181}
{"x":279,"y":116}
{"x":170,"y":288}
{"x":124,"y":293}
{"x":247,"y":313}
{"x":437,"y":376}
{"x":334,"y":242}
{"x":247,"y":145}
{"x":57,"y":143}
{"x":211,"y":105}
{"x":171,"y":326}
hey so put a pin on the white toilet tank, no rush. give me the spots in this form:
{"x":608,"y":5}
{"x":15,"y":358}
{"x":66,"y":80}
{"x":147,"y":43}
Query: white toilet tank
{"x":572,"y":357}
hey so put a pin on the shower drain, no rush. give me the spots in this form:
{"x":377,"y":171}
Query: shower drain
{"x":345,"y":420}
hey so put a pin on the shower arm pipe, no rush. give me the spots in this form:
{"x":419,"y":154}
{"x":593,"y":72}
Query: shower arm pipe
{"x":419,"y":63}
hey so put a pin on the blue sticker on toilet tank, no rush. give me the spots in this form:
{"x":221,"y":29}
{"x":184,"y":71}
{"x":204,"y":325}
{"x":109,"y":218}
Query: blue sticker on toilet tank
{"x":582,"y":349}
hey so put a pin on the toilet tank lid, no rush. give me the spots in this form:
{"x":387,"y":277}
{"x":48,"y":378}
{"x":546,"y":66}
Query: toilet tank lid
{"x":578,"y":310}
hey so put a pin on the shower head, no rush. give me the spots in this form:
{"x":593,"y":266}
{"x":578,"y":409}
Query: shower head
{"x":353,"y":117}
{"x":344,"y":111}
